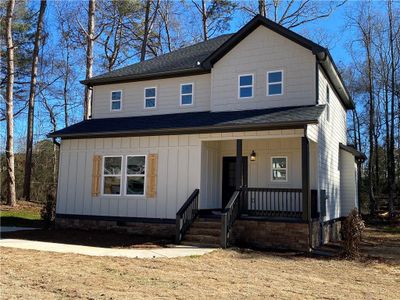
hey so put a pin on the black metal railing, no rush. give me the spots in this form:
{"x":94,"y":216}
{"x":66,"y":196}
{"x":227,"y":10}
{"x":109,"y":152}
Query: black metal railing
{"x":272,"y":202}
{"x":186,"y":215}
{"x":228,"y":217}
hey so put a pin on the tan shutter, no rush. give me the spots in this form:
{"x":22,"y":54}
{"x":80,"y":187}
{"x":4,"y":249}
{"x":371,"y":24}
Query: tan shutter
{"x":96,"y":175}
{"x":151,"y":177}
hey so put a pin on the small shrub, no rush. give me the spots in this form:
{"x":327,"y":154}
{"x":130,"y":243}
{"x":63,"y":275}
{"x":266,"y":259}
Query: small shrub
{"x":48,"y":212}
{"x":351,"y":231}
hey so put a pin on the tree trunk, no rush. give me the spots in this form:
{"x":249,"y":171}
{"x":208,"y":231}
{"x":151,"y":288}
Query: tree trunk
{"x":31,"y":103}
{"x":146,"y":31}
{"x":261,"y":8}
{"x":89,"y":59}
{"x":391,"y":160}
{"x":371,"y":129}
{"x":11,"y":197}
{"x":65,"y":88}
{"x":204,"y":19}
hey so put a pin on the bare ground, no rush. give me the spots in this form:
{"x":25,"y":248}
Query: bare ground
{"x":224,"y":274}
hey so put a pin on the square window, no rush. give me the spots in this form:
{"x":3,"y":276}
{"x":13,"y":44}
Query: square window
{"x":112,"y":185}
{"x":116,"y":95}
{"x":279,"y":168}
{"x":186,"y":99}
{"x":246,"y":80}
{"x":275,"y":89}
{"x":112,"y":165}
{"x":187,"y":94}
{"x":150,"y":97}
{"x":136,"y":165}
{"x":275,"y":83}
{"x":115,"y":105}
{"x":150,"y":102}
{"x":246,"y":86}
{"x":135,"y":185}
{"x":116,"y":100}
{"x":246,"y":92}
{"x":186,"y":89}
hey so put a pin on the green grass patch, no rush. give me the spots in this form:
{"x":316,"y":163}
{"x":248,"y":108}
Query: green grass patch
{"x":20,"y":218}
{"x":392,"y":229}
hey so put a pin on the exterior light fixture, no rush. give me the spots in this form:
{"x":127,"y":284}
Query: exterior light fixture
{"x":253,"y":156}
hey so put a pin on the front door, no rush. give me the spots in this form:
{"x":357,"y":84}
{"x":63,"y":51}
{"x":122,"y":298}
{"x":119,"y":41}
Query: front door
{"x":229,"y":177}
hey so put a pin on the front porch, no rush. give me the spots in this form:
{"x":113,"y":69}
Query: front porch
{"x":249,"y":180}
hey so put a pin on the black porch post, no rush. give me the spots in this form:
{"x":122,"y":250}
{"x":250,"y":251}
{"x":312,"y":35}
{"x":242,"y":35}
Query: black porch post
{"x":239,"y":164}
{"x":305,"y":165}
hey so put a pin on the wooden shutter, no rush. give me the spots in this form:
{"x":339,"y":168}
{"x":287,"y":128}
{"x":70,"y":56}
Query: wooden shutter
{"x":151,"y":177}
{"x":96,"y":175}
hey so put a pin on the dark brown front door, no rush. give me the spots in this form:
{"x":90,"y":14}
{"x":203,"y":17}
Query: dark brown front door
{"x":229,"y":177}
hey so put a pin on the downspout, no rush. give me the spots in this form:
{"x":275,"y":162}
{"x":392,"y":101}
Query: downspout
{"x":309,"y":220}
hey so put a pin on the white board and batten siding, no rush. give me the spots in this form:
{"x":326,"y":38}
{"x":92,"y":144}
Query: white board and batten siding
{"x":330,"y":134}
{"x":178,"y":156}
{"x":260,"y":52}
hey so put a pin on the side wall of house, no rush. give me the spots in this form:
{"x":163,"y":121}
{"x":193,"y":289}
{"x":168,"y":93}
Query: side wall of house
{"x":178,"y":156}
{"x":261,"y":51}
{"x":168,"y":97}
{"x":348,"y":186}
{"x":331,"y":133}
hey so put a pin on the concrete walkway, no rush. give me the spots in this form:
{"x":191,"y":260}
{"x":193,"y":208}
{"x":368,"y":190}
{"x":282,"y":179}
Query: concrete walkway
{"x":14,"y":228}
{"x":177,"y":251}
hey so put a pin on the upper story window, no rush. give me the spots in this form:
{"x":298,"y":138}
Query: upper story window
{"x":187,"y":94}
{"x":328,"y":100}
{"x":135,"y":175}
{"x":112,"y":166}
{"x":150,"y":97}
{"x":246,"y":86}
{"x":279,"y":168}
{"x":275,"y":83}
{"x":116,"y":100}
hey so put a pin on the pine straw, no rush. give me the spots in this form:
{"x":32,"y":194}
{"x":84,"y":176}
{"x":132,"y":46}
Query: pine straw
{"x":223,"y":274}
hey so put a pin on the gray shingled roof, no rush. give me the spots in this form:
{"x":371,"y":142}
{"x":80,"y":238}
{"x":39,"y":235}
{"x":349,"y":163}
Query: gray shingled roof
{"x":183,"y":59}
{"x":179,"y":123}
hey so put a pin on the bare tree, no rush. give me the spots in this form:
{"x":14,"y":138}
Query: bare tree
{"x":11,"y":197}
{"x":292,"y":13}
{"x":90,"y":38}
{"x":31,"y":103}
{"x":215,"y":15}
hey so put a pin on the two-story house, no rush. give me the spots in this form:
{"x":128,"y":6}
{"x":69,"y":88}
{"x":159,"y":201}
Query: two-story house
{"x":240,"y":139}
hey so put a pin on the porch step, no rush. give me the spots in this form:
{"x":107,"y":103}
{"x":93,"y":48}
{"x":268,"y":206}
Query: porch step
{"x":205,"y":239}
{"x":205,"y":231}
{"x":199,"y":244}
{"x":201,"y":223}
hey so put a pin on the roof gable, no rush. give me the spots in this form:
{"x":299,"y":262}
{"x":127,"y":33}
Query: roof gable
{"x":249,"y":28}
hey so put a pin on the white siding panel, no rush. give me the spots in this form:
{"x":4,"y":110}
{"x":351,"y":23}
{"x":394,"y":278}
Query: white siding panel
{"x":262,"y":51}
{"x":168,"y":97}
{"x":330,"y":134}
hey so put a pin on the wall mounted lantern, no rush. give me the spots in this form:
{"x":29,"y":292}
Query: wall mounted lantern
{"x":253,"y":156}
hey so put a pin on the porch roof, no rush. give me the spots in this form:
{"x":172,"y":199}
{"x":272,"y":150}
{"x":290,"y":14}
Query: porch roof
{"x":195,"y":122}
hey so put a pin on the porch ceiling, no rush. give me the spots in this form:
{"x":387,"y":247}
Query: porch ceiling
{"x":195,"y":122}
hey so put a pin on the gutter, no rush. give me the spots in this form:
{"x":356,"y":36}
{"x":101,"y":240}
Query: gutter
{"x":324,"y":58}
{"x":187,"y":130}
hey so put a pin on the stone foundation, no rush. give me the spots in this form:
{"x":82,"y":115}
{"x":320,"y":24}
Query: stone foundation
{"x":148,"y":228}
{"x":266,"y":234}
{"x":283,"y":235}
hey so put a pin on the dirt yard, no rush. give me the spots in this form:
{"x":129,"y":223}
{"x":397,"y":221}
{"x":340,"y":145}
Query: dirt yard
{"x":226,"y":274}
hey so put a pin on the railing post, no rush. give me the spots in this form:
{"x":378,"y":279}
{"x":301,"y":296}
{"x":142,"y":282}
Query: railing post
{"x":305,"y":164}
{"x":178,"y":229}
{"x":224,"y":230}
